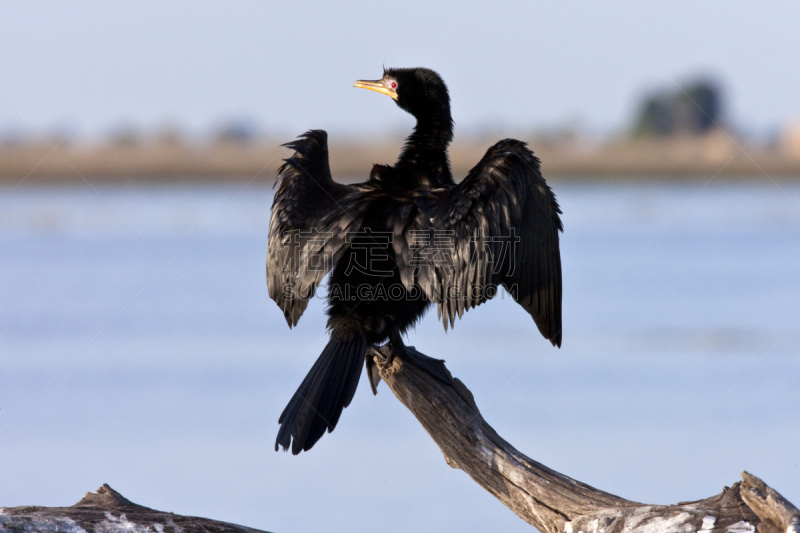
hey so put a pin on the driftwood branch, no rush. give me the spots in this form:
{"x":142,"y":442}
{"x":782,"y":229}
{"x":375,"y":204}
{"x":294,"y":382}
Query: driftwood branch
{"x":550,"y":501}
{"x":105,"y":510}
{"x":553,"y":502}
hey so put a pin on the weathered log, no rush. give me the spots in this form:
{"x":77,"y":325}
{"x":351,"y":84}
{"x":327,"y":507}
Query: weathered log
{"x":546,"y":499}
{"x":553,"y":502}
{"x":105,"y":510}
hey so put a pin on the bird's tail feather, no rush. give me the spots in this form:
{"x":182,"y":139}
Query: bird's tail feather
{"x":326,"y":390}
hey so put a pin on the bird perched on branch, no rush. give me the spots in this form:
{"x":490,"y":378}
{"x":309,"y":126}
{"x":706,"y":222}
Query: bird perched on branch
{"x":406,"y":238}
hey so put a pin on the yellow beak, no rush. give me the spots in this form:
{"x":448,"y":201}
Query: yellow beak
{"x":377,"y":86}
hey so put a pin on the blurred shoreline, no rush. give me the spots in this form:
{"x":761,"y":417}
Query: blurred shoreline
{"x":715,"y":153}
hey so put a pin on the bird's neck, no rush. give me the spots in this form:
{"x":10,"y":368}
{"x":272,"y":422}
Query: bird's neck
{"x":424,"y":161}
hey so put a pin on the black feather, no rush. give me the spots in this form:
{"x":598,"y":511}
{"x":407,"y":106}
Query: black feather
{"x":319,"y":226}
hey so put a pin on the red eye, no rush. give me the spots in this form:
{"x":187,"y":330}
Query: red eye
{"x":394,"y":84}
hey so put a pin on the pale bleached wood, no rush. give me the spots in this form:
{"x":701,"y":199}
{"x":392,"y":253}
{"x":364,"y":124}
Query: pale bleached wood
{"x":107,"y":511}
{"x":553,"y":502}
{"x":550,"y":501}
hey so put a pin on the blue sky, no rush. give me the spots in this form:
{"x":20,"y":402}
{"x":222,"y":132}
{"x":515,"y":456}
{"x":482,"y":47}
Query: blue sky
{"x":512,"y":67}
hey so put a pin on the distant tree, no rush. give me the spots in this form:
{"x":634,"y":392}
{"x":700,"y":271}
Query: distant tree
{"x":705,"y":100}
{"x":693,"y":109}
{"x":654,"y":118}
{"x":237,"y":131}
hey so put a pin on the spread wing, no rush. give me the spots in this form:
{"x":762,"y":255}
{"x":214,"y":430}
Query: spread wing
{"x":497,"y":227}
{"x":299,"y":253}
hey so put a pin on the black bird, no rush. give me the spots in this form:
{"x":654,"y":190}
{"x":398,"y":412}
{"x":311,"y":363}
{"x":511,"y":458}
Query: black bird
{"x":408,"y":237}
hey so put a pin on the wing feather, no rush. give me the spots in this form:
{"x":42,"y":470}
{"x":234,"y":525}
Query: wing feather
{"x":301,"y":250}
{"x":504,"y":221}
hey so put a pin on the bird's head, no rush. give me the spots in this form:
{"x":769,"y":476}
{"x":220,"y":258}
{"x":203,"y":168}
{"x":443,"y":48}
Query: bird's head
{"x":420,"y":91}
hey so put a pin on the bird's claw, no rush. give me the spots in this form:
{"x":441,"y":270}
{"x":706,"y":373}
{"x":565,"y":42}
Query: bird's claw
{"x":374,"y":358}
{"x":377,"y":358}
{"x":384,"y":356}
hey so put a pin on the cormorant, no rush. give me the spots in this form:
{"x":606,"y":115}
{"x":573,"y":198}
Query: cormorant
{"x":408,"y":237}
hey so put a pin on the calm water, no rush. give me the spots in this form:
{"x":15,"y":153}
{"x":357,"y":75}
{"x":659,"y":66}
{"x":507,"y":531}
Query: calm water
{"x":139,"y":348}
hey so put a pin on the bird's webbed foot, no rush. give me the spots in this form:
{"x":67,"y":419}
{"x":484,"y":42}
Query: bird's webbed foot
{"x":383,"y":356}
{"x":376,"y":358}
{"x":434,"y":367}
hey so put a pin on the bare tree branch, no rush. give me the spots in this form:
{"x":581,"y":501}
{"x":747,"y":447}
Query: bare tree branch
{"x":553,"y":502}
{"x":107,"y":511}
{"x":550,"y":501}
